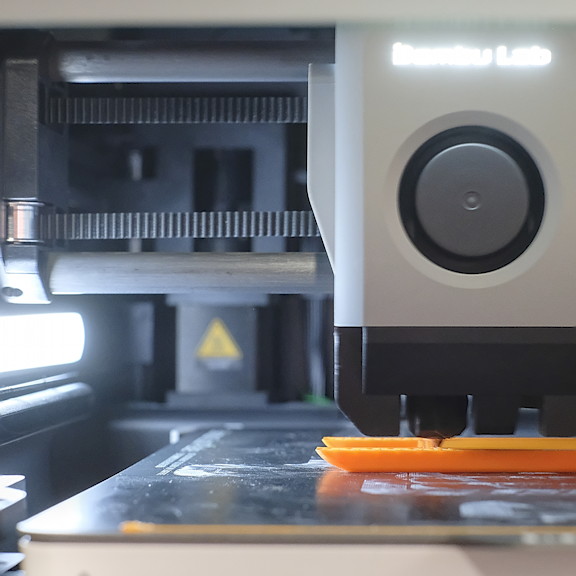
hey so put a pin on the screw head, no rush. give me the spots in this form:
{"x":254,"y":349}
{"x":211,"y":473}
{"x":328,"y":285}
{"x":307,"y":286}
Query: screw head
{"x":10,"y":292}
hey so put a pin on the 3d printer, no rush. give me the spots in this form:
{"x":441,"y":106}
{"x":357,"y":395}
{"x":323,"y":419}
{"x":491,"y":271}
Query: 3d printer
{"x":156,"y":180}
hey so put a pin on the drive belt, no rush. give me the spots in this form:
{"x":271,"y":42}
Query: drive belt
{"x":156,"y":225}
{"x":177,"y":110}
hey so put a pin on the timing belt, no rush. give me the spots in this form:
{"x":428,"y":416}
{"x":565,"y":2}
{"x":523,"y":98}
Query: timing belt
{"x":176,"y":110}
{"x":155,"y":225}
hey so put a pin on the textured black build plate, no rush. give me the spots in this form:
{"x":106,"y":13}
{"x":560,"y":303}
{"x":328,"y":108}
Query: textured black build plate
{"x":232,"y":485}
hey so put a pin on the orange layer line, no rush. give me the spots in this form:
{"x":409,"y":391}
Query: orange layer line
{"x":379,"y":442}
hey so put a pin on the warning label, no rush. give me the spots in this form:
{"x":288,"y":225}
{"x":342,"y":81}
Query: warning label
{"x":217,"y":349}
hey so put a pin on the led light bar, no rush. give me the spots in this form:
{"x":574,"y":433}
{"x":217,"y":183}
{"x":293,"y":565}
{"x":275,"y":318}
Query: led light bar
{"x":40,"y":340}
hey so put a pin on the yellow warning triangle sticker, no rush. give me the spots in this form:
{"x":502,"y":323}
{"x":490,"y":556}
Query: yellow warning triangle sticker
{"x":217,"y":342}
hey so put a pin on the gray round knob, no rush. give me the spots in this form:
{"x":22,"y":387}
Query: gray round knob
{"x":472,"y":199}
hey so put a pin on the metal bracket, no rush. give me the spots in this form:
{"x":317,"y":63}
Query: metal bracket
{"x":33,"y":162}
{"x":21,"y":275}
{"x":22,"y":255}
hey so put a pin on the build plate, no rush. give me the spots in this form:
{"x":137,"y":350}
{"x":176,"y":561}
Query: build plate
{"x":241,"y":485}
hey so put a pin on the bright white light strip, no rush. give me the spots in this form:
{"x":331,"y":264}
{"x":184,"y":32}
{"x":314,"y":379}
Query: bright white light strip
{"x":40,"y":340}
{"x":462,"y":56}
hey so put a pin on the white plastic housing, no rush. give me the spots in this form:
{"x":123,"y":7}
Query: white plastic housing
{"x":384,"y":113}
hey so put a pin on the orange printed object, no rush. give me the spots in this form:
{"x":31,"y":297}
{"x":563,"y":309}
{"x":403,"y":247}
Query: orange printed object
{"x":455,"y":455}
{"x":512,"y":443}
{"x":376,"y":442}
